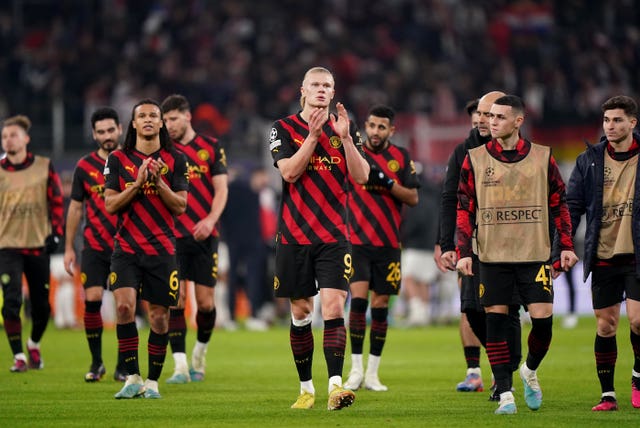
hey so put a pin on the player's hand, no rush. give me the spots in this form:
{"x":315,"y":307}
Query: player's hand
{"x":143,"y":172}
{"x":465,"y":266}
{"x":202,"y":230}
{"x":156,"y":166}
{"x":317,"y":118}
{"x":448,"y":259}
{"x":378,"y":178}
{"x":341,"y":121}
{"x":437,"y":253}
{"x":568,"y":259}
{"x":69,"y":261}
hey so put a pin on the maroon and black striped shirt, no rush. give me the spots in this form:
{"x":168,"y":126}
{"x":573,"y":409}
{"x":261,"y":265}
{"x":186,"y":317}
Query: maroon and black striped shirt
{"x":206,"y":159}
{"x":146,"y":226}
{"x":88,"y":185}
{"x":467,"y":202}
{"x":375,"y":213}
{"x":314,"y":208}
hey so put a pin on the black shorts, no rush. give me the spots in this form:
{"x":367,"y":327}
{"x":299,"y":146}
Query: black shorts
{"x":155,"y":277}
{"x":469,"y":289}
{"x":501,"y":283}
{"x":198,"y":260}
{"x":610,"y":285}
{"x":94,"y":268}
{"x":379,"y":266}
{"x":299,"y":266}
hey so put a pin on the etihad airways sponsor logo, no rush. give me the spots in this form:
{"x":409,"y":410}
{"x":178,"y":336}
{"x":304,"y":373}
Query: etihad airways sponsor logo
{"x":323,"y":163}
{"x":510,"y":215}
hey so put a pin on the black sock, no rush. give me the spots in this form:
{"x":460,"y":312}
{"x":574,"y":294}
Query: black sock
{"x":93,"y":330}
{"x":205,"y":321}
{"x":301,"y":339}
{"x":334,"y":344}
{"x":539,"y":340}
{"x":177,"y":330}
{"x":606,"y":351}
{"x":128,"y":347}
{"x":472,"y":356}
{"x":157,"y":346}
{"x":498,"y":350}
{"x":357,"y":324}
{"x":379,"y":326}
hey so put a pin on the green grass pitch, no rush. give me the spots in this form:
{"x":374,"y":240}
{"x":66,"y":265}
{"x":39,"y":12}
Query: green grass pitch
{"x":251,"y":382}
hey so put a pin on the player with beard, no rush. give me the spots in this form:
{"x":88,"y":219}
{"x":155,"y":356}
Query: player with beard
{"x":87,"y":197}
{"x":197,"y":236}
{"x":376,"y":209}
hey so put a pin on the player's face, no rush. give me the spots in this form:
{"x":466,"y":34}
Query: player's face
{"x":14,"y":139}
{"x":484,"y":114}
{"x":318,"y":89}
{"x":177,"y":122}
{"x":107,"y":134}
{"x":147,"y":120}
{"x":378,"y":130}
{"x":504,"y":121}
{"x":617,"y":125}
{"x":475,"y":119}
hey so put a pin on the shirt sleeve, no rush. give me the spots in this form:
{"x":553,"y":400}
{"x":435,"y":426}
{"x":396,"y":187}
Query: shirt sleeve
{"x":219,"y":164}
{"x":180,"y":179}
{"x":112,"y":173}
{"x":280,"y":143}
{"x":558,"y":206}
{"x":466,"y":212}
{"x":55,"y":201}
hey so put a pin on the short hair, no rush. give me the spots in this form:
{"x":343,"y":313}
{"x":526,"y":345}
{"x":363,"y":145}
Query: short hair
{"x":20,"y":120}
{"x":472,"y":106}
{"x":382,"y":111}
{"x":175,"y":102}
{"x":514,"y":101}
{"x":623,"y":102}
{"x":103,"y":113}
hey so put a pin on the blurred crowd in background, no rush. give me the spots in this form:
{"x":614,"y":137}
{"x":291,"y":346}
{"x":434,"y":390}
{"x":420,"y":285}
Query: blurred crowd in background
{"x":240,"y":63}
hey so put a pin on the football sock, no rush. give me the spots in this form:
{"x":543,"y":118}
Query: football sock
{"x":334,"y":343}
{"x":93,"y":330}
{"x":606,"y":352}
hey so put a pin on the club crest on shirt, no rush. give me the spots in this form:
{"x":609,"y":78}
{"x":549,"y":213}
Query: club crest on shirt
{"x":335,"y":142}
{"x":393,"y":165}
{"x":203,"y":155}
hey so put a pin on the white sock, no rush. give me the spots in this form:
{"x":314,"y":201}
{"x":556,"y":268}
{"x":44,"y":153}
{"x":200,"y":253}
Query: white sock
{"x":133,"y":379}
{"x":200,"y":347}
{"x":335,"y":381}
{"x":474,"y":370}
{"x":356,"y":362}
{"x":151,"y":384}
{"x":307,"y":386}
{"x":31,"y":344}
{"x":635,"y":373}
{"x":526,"y":371}
{"x":611,"y":394}
{"x":20,"y":356}
{"x":372,"y":364}
{"x":180,"y":361}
